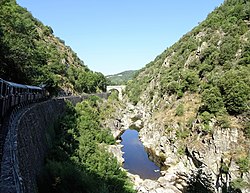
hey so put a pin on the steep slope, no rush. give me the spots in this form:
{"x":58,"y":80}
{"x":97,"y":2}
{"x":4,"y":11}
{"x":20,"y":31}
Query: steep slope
{"x":31,"y":54}
{"x":194,"y":99}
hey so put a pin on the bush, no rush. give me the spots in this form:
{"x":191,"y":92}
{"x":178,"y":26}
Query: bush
{"x":181,"y":150}
{"x":212,"y":100}
{"x":244,"y":164}
{"x":224,"y":168}
{"x":206,"y":117}
{"x":207,"y":129}
{"x":113,"y":96}
{"x":190,"y":80}
{"x":234,"y":87}
{"x":223,"y":121}
{"x":238,"y":184}
{"x":173,"y":87}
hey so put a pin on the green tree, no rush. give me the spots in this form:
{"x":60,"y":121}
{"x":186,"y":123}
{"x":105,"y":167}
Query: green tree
{"x":212,"y":100}
{"x":79,"y":162}
{"x":235,"y":86}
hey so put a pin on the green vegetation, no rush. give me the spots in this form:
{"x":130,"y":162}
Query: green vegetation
{"x":121,"y":78}
{"x":244,"y":164}
{"x":78,"y":161}
{"x":238,"y":183}
{"x":179,"y":110}
{"x":235,"y":86}
{"x":212,"y":63}
{"x":212,"y":100}
{"x":30,"y":54}
{"x":181,"y":150}
{"x":134,"y":127}
{"x":247,"y":129}
{"x":162,"y":157}
{"x":223,"y":121}
{"x":212,"y":60}
{"x":224,"y":168}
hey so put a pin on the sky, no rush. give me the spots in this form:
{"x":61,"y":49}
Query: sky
{"x":112,"y":36}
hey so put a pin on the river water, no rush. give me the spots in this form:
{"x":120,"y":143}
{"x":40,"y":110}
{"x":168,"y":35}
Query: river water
{"x":136,"y":158}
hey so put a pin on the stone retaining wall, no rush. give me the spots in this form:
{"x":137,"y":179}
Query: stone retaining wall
{"x":27,"y":143}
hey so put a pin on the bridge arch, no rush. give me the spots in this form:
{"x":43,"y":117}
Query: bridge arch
{"x":119,"y":88}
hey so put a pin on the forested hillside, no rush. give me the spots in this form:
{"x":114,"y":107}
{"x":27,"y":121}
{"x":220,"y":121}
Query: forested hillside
{"x":198,"y":91}
{"x":122,"y":77}
{"x":214,"y":56}
{"x":212,"y":60}
{"x":31,"y":54}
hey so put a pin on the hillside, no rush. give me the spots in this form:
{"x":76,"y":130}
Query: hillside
{"x":121,"y":78}
{"x":194,"y":100}
{"x":31,"y":54}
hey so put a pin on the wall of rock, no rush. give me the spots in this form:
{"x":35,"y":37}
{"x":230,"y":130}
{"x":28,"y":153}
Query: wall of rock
{"x":206,"y":164}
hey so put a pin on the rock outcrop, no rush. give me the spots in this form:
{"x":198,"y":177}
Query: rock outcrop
{"x":203,"y":163}
{"x":207,"y":162}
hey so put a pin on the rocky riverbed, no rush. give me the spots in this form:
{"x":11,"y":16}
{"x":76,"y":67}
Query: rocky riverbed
{"x":198,"y":165}
{"x":166,"y":183}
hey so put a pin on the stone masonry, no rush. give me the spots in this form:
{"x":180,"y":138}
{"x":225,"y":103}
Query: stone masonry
{"x":27,"y":143}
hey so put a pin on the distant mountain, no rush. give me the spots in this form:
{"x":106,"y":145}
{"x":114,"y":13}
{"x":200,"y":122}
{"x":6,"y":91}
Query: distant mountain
{"x":121,"y":78}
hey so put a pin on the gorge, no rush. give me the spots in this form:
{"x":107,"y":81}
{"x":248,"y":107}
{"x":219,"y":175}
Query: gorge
{"x":190,"y":106}
{"x":193,"y":170}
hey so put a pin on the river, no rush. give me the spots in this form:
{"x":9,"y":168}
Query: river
{"x":136,"y":158}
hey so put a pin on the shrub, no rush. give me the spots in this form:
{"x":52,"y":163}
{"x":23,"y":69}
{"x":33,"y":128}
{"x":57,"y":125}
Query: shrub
{"x":223,"y":121}
{"x":206,"y":117}
{"x":113,"y":96}
{"x":244,"y":164}
{"x":182,"y":133}
{"x":207,"y":129}
{"x":234,"y":87}
{"x":190,"y":80}
{"x":238,"y":184}
{"x":162,"y":157}
{"x":181,"y":150}
{"x":212,"y":100}
{"x":224,"y":168}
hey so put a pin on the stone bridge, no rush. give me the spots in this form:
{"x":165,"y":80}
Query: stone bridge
{"x":119,"y":88}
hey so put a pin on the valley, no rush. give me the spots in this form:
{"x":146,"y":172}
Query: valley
{"x":180,"y":124}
